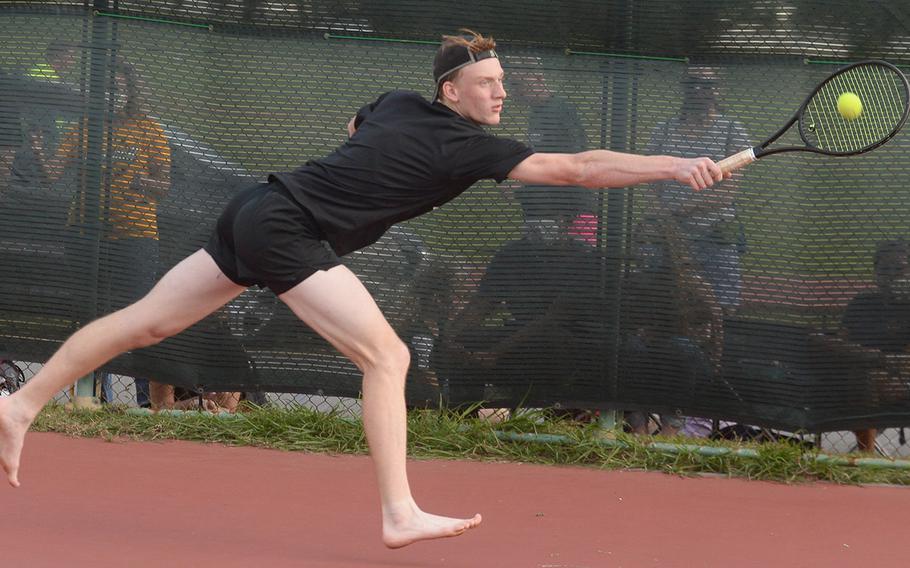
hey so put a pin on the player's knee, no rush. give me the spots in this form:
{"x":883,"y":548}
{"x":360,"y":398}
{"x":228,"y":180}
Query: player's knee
{"x":392,"y":357}
{"x":402,"y":356}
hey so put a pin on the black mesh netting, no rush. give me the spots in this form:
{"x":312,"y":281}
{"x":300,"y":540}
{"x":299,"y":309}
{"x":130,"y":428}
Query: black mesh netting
{"x":777,"y":299}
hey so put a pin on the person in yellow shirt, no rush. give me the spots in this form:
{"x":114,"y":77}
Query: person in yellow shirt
{"x":139,"y":174}
{"x":137,"y":177}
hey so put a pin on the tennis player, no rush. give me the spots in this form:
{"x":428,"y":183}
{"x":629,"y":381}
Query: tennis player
{"x":405,"y":156}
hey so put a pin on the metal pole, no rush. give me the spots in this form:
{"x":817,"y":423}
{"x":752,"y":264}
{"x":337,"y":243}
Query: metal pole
{"x":617,"y":108}
{"x":92,"y":181}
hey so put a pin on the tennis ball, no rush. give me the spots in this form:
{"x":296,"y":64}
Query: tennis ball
{"x":849,"y":106}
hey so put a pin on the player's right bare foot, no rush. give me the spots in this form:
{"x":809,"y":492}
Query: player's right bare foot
{"x":14,"y":424}
{"x":407,"y":524}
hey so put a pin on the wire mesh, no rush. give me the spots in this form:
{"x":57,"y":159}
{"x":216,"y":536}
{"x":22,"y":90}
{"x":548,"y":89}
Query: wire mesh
{"x":731,"y":305}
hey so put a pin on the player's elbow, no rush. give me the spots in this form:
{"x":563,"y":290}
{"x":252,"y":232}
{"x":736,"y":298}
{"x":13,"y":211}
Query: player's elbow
{"x":583,"y":173}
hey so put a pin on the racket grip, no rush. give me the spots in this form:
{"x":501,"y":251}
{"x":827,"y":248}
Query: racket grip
{"x":737,"y":160}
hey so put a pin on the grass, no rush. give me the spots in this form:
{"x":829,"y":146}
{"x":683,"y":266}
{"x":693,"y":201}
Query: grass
{"x":448,"y":434}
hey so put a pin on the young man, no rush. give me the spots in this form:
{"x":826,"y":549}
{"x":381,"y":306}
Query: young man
{"x":405,"y":156}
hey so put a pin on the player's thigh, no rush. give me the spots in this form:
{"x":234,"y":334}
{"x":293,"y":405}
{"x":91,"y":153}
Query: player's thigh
{"x":191,"y":290}
{"x":336,"y":305}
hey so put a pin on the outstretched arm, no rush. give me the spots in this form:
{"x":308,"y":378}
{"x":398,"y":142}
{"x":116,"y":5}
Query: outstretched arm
{"x":598,"y":169}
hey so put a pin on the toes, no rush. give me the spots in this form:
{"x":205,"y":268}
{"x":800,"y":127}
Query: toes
{"x":12,"y":473}
{"x":470,"y":523}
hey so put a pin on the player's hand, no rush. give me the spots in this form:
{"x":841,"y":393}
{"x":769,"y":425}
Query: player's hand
{"x":698,"y":173}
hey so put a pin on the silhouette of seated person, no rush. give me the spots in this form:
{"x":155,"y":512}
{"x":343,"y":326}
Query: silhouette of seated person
{"x":671,"y":327}
{"x":535,"y":318}
{"x":877,"y":322}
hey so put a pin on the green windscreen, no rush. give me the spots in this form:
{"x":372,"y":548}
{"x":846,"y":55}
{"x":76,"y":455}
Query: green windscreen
{"x":777,"y":298}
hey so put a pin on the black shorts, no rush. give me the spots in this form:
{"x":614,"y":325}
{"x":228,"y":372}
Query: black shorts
{"x":265,"y":238}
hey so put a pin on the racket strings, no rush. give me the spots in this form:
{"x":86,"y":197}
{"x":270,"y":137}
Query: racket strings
{"x":884,"y":98}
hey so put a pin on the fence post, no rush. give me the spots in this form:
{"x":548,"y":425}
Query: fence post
{"x":103,"y":50}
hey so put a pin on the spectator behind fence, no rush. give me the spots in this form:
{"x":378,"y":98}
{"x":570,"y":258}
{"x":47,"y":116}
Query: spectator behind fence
{"x":536,"y":317}
{"x":705,"y":224}
{"x":139,"y":178}
{"x":671,"y":322}
{"x":37,"y":105}
{"x":878,"y":321}
{"x":553,"y":126}
{"x":707,"y":221}
{"x":11,"y":138}
{"x":52,"y":109}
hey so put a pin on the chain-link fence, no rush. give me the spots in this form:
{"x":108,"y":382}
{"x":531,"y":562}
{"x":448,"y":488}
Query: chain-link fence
{"x":775,"y":301}
{"x":890,"y":442}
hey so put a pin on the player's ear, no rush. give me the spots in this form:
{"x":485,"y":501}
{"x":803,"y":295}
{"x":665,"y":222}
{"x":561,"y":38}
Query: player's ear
{"x":450,"y":91}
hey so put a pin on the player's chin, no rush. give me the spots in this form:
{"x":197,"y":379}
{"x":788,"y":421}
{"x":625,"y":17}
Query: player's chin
{"x":493,"y":117}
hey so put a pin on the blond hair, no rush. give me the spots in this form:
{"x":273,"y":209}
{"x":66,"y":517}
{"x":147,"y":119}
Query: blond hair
{"x":476,"y":44}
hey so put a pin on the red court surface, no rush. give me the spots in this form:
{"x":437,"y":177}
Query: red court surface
{"x":86,"y":502}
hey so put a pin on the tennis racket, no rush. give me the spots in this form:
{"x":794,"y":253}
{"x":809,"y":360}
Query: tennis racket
{"x":885,"y":96}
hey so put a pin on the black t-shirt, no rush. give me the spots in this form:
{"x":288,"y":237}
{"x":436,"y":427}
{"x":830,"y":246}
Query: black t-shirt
{"x":407,"y":157}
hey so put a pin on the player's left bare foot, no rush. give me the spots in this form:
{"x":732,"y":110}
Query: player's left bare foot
{"x":406,"y":524}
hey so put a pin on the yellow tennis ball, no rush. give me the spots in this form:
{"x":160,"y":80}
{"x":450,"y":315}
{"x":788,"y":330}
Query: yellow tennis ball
{"x":849,"y":106}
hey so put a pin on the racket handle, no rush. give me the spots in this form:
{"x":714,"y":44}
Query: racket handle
{"x":737,"y":160}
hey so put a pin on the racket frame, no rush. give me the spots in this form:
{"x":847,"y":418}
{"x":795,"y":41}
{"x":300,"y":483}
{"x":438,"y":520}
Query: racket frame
{"x":749,"y":155}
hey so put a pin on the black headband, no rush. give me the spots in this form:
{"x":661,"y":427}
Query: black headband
{"x":451,"y":58}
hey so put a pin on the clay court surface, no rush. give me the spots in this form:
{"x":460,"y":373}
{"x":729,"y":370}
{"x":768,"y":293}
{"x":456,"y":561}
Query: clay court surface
{"x":87,"y":502}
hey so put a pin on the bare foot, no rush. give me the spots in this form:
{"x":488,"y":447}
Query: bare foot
{"x":13,"y":426}
{"x":407,"y":524}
